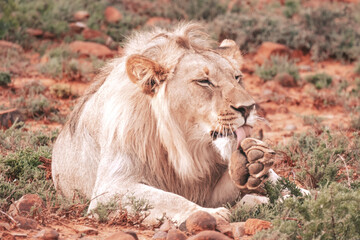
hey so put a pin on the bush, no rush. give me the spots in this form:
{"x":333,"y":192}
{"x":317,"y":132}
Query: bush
{"x":276,"y":65}
{"x":5,"y":79}
{"x":20,"y":153}
{"x":61,"y":90}
{"x":320,"y":80}
{"x":319,"y":158}
{"x":330,"y":214}
{"x":291,"y":7}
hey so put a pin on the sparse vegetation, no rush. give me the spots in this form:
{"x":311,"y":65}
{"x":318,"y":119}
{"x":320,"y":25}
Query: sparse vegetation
{"x":330,"y":214}
{"x":312,"y":120}
{"x":320,"y":80}
{"x":320,"y":158}
{"x":61,"y":90}
{"x":276,"y":65}
{"x":5,"y":79}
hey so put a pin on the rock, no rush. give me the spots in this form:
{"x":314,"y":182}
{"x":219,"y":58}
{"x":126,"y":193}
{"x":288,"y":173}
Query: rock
{"x":6,"y":45}
{"x":90,"y":34}
{"x":305,"y":68}
{"x":223,"y":226}
{"x":81,"y":15}
{"x":225,"y":229}
{"x":290,"y":127}
{"x":25,"y":204}
{"x":200,"y":221}
{"x":34,"y":32}
{"x":250,"y":200}
{"x":112,"y":15}
{"x":77,"y":27}
{"x":157,"y":21}
{"x":166,"y":226}
{"x":87,"y":230}
{"x":253,"y":225}
{"x":26,"y":223}
{"x":7,"y":236}
{"x":268,"y":49}
{"x":175,"y":234}
{"x":285,"y":80}
{"x":160,"y":235}
{"x":238,"y":229}
{"x":90,"y":48}
{"x":48,"y":234}
{"x":209,"y":235}
{"x":120,"y":236}
{"x":8,"y":117}
{"x":48,"y":35}
{"x":182,"y":227}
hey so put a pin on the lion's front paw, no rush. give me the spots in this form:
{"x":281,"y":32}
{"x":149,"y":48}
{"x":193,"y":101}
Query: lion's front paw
{"x":250,"y":165}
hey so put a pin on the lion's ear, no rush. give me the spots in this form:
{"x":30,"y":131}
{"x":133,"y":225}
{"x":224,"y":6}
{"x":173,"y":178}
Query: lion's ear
{"x":228,"y":48}
{"x":146,"y":73}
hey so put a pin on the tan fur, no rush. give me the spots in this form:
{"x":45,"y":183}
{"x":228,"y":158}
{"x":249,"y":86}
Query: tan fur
{"x":146,"y":126}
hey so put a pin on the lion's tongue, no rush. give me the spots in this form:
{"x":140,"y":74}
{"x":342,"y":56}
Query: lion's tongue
{"x":242,"y":133}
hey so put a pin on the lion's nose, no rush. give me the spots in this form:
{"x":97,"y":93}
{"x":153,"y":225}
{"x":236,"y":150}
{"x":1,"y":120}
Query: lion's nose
{"x":244,"y":110}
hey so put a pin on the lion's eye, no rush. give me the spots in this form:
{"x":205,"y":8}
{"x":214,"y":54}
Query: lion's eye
{"x":204,"y":83}
{"x":239,"y":78}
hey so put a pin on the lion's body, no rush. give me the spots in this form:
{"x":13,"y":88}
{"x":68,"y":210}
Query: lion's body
{"x":152,"y":139}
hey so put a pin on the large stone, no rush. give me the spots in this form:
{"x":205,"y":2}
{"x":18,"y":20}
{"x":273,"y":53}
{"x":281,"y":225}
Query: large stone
{"x":81,"y":15}
{"x":25,"y":204}
{"x":120,"y":236}
{"x":48,"y":234}
{"x":250,"y":201}
{"x":209,"y":235}
{"x":268,"y":49}
{"x":112,"y":15}
{"x":253,"y":225}
{"x":200,"y":221}
{"x":26,"y":223}
{"x":175,"y":234}
{"x":90,"y":48}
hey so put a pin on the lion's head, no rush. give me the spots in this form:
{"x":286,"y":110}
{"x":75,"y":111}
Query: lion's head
{"x":196,"y":93}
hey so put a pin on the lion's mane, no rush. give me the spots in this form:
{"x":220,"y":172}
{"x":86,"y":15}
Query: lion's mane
{"x":119,"y":120}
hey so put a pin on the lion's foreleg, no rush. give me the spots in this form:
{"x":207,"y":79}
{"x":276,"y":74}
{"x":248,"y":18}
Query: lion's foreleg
{"x":161,"y":202}
{"x":225,"y":191}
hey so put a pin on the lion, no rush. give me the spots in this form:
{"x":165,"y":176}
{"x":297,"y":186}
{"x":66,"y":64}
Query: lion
{"x":162,"y":123}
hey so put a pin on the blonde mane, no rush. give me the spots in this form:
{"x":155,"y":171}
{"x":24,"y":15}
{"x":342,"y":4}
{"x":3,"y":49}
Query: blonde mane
{"x":141,"y":127}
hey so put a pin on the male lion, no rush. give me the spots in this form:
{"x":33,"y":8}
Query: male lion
{"x":161,"y":123}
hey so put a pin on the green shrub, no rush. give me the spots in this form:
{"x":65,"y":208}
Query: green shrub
{"x":320,"y":80}
{"x":312,"y":120}
{"x":5,"y":79}
{"x":291,"y":7}
{"x":276,"y":65}
{"x":330,"y":214}
{"x":318,"y":158}
{"x":267,"y":211}
{"x":20,"y":153}
{"x":61,"y":90}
